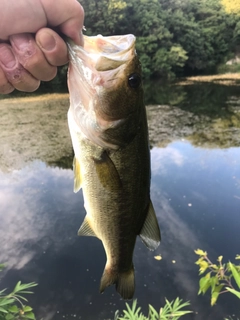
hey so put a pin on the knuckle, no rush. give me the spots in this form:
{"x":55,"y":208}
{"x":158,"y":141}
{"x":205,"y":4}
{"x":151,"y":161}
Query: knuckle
{"x":15,"y":75}
{"x":28,"y":61}
{"x":7,"y":58}
{"x":6,"y":88}
{"x":37,"y":66}
{"x":22,"y":80}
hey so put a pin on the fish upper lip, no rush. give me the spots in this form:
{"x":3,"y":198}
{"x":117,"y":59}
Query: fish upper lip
{"x":105,"y":57}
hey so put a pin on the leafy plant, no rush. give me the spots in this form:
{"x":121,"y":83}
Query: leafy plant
{"x":218,"y":277}
{"x":172,"y":310}
{"x":12,"y":305}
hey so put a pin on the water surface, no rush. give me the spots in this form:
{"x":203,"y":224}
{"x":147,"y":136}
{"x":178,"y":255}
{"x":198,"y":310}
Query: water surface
{"x":195,"y":190}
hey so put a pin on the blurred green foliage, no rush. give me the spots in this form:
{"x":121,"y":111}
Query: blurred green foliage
{"x":171,"y":310}
{"x":218,"y":277}
{"x":173,"y":37}
{"x":12,"y":305}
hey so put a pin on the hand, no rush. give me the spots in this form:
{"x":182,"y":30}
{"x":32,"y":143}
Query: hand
{"x":30,"y":50}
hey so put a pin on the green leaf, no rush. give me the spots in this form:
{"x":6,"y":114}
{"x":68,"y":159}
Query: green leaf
{"x":116,"y":315}
{"x":27,"y":309}
{"x":172,"y":310}
{"x":21,"y":297}
{"x":235,"y":274}
{"x":9,"y":316}
{"x":132,"y":312}
{"x":153,"y":314}
{"x":17,"y":287}
{"x":200,"y":252}
{"x":237,"y":293}
{"x":214,"y":282}
{"x":13,"y":309}
{"x":20,"y":287}
{"x":1,"y":292}
{"x":203,"y":266}
{"x":29,"y":315}
{"x":6,"y":301}
{"x":204,"y":284}
{"x":215,"y":294}
{"x":3,"y":310}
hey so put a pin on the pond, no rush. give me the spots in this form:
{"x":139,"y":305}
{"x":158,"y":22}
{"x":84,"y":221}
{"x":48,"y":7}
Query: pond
{"x":195,"y":153}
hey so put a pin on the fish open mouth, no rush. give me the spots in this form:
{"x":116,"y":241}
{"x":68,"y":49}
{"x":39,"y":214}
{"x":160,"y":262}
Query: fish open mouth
{"x":103,"y":53}
{"x":98,"y":81}
{"x":102,"y":59}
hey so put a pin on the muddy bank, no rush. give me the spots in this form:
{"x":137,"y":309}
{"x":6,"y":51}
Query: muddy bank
{"x":36,"y":129}
{"x":33,"y":128}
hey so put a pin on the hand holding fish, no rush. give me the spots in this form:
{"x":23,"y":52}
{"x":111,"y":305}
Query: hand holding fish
{"x":30,"y":50}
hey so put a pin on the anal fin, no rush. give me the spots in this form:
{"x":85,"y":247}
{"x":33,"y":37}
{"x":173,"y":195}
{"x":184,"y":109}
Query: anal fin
{"x":150,"y":232}
{"x":85,"y":229}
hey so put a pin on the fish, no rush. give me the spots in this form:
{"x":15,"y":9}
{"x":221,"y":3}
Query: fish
{"x":108,"y":128}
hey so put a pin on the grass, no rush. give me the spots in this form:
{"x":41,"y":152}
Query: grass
{"x":43,"y":97}
{"x":228,"y":79}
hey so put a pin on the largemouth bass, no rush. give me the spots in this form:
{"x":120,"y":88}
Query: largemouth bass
{"x":108,"y":127}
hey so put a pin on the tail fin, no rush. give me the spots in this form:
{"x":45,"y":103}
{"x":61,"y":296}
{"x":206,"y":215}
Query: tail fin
{"x":124,"y":281}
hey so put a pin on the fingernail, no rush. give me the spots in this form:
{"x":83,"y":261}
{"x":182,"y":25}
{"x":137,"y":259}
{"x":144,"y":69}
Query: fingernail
{"x":7,"y":57}
{"x":46,"y":41}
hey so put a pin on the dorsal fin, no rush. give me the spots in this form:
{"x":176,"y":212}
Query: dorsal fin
{"x":150,"y":233}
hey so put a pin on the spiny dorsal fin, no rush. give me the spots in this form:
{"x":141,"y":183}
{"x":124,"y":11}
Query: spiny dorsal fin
{"x":107,"y":173}
{"x":85,"y":229}
{"x":150,"y":233}
{"x":77,"y":175}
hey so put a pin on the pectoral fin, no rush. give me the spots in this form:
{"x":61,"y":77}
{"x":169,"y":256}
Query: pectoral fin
{"x":85,"y":229}
{"x":77,"y":175}
{"x":150,"y":233}
{"x":107,"y":173}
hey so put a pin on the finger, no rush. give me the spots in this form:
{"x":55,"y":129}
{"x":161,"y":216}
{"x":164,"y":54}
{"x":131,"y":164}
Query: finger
{"x":21,"y":16}
{"x":31,"y":57}
{"x":18,"y":77}
{"x":30,"y":16}
{"x":53,"y":47}
{"x":5,"y":86}
{"x":68,"y":16}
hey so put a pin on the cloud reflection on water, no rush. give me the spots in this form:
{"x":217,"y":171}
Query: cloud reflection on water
{"x":161,"y":156}
{"x":23,"y":209}
{"x":40,"y":217}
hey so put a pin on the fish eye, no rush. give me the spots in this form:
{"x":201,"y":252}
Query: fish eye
{"x":134,"y":80}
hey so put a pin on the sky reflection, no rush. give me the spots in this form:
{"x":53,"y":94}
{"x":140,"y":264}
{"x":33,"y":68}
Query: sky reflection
{"x":195,"y":193}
